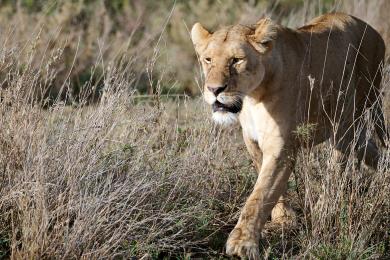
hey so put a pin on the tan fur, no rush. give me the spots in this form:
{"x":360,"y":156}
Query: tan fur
{"x":325,"y":74}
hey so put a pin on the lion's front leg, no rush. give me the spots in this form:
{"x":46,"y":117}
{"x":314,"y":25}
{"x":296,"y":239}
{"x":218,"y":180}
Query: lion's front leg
{"x":254,"y":151}
{"x":283,"y":213}
{"x":270,"y":185}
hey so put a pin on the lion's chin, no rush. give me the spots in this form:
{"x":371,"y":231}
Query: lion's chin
{"x":225,"y":118}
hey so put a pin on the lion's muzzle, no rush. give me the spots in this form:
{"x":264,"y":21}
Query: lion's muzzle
{"x":220,"y":107}
{"x":216,"y":89}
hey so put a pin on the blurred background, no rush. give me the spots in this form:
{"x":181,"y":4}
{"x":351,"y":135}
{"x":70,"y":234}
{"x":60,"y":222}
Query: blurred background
{"x":144,"y":172}
{"x":79,"y":40}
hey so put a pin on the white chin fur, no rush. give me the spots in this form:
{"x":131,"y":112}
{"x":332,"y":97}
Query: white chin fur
{"x":225,"y":118}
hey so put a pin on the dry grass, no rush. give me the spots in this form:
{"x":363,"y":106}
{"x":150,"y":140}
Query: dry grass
{"x":129,"y":175}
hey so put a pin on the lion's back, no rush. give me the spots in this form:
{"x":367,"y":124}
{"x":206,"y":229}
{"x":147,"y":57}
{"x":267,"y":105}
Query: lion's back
{"x":345,"y":31}
{"x":341,"y":47}
{"x":344,"y":55}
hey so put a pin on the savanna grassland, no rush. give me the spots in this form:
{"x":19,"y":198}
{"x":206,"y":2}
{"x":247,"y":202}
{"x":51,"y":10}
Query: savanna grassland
{"x":108,"y":151}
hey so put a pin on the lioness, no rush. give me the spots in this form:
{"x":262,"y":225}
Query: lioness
{"x":273,"y":80}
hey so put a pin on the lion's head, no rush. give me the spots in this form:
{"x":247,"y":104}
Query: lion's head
{"x":234,"y":62}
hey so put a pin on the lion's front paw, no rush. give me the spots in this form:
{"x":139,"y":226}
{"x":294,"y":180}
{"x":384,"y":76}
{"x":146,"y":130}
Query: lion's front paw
{"x":282,"y":213}
{"x":241,"y":245}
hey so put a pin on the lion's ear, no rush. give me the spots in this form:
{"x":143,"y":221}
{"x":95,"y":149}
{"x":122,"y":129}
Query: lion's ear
{"x":199,"y":35}
{"x":265,"y":33}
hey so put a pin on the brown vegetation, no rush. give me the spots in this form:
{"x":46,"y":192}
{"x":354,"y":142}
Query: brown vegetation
{"x":131,"y":175}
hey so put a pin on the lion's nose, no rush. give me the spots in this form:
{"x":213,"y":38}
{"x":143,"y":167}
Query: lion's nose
{"x":216,"y":89}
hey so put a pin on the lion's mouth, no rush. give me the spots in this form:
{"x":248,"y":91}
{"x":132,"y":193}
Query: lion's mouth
{"x":220,"y":107}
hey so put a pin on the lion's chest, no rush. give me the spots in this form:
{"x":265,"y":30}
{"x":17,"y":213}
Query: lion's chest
{"x":249,"y":127}
{"x":257,"y":123}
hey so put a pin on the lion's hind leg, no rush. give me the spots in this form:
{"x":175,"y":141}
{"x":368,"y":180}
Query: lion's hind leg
{"x":368,"y":152}
{"x":365,"y":147}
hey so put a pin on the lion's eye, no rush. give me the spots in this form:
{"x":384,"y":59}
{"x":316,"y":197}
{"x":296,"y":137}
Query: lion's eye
{"x":207,"y":60}
{"x":237,"y":61}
